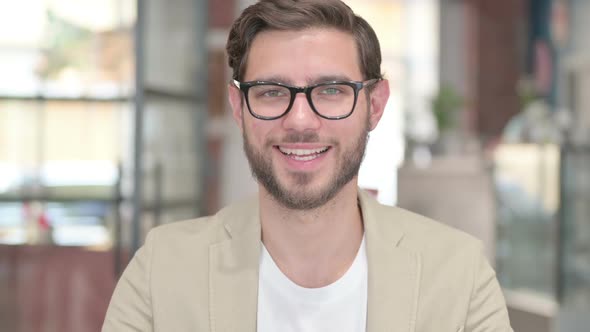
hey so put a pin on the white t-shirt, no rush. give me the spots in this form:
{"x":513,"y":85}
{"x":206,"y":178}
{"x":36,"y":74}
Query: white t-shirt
{"x":287,"y":307}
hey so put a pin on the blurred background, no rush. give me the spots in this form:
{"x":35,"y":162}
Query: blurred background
{"x":113,"y":119}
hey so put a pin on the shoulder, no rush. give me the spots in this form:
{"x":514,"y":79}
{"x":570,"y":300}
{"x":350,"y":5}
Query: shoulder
{"x":208,"y":229}
{"x":421,"y":231}
{"x":450,"y":258}
{"x":446,"y":253}
{"x":417,"y":233}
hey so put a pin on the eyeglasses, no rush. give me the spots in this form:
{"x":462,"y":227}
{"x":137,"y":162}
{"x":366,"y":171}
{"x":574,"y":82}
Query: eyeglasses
{"x":333,"y":100}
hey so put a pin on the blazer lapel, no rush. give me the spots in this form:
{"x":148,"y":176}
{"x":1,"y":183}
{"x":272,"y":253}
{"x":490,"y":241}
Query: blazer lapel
{"x":233,"y":269}
{"x":394,"y":272}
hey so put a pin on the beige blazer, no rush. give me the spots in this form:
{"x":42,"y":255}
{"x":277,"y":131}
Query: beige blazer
{"x":202,"y":275}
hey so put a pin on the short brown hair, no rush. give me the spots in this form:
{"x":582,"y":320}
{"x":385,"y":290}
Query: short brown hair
{"x":299,"y":15}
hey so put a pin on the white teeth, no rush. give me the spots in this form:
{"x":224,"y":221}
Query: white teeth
{"x":303,"y":154}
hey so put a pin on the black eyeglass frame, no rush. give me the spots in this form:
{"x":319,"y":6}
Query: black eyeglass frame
{"x":294,"y":90}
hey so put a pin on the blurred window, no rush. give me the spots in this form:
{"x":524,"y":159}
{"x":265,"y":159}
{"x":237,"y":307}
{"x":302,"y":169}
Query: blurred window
{"x":527,"y":191}
{"x":67,"y":75}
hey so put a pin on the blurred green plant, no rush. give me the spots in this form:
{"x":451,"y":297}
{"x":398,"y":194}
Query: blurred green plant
{"x":445,"y":106}
{"x":526,"y":92}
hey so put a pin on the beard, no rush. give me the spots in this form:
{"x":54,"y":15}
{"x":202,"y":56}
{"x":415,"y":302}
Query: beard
{"x":301,"y":196}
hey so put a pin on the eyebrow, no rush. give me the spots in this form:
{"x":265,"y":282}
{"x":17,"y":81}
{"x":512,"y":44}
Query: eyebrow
{"x":309,"y":80}
{"x":278,"y":79}
{"x":328,"y":78}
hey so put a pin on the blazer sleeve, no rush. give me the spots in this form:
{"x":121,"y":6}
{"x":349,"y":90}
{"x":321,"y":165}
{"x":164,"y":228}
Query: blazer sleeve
{"x":130,"y":308}
{"x":487,"y":307}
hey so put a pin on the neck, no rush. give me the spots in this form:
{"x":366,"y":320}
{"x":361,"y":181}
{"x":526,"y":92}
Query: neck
{"x":315,"y":247}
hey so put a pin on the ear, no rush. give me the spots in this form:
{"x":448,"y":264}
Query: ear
{"x":236,"y":102}
{"x":378,"y":100}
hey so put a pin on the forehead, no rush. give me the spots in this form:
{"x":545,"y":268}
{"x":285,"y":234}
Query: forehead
{"x":299,"y":57}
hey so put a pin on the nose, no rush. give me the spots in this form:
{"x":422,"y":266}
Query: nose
{"x":301,"y":116}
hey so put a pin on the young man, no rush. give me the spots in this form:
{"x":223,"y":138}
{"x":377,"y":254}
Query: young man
{"x":311,"y":252}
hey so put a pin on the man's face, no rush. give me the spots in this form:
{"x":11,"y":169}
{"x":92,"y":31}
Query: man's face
{"x":301,"y":159}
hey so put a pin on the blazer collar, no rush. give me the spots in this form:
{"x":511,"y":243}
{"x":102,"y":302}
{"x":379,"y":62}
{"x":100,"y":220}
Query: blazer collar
{"x":394,"y":271}
{"x":233,"y":270}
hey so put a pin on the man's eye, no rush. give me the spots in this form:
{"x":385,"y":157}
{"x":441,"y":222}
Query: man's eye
{"x":273,"y":93}
{"x":331,"y":91}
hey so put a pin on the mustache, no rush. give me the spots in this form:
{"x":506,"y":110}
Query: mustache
{"x":296,"y":137}
{"x":301,"y":137}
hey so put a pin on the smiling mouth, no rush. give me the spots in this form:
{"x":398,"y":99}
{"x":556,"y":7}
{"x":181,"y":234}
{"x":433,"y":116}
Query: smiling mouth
{"x":303,"y":154}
